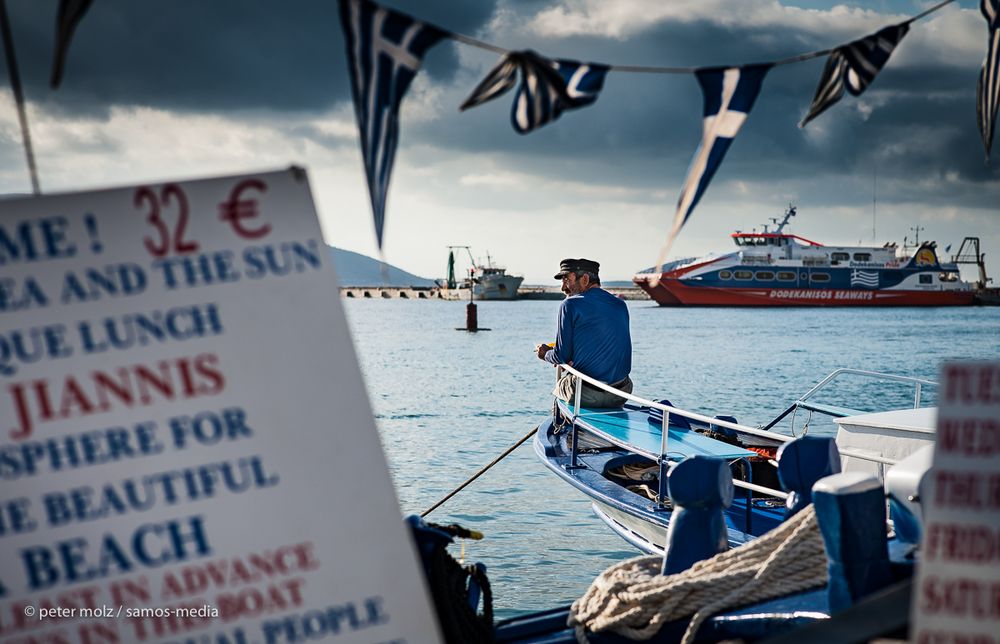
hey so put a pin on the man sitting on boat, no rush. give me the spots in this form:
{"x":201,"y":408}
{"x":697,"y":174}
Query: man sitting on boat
{"x":592,"y":336}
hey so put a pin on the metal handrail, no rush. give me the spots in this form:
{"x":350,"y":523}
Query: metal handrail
{"x":743,"y":484}
{"x":754,"y":431}
{"x":666,"y":409}
{"x":917,"y":383}
{"x":761,"y":488}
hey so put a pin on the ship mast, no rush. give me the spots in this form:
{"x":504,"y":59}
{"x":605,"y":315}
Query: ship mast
{"x":472,"y":261}
{"x":467,"y":250}
{"x":784,"y":222}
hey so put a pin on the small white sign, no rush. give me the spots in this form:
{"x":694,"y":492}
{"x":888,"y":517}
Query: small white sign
{"x":957,"y":593}
{"x":187,"y":452}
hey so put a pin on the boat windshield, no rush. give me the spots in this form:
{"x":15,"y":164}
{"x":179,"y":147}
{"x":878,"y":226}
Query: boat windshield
{"x":758,"y":240}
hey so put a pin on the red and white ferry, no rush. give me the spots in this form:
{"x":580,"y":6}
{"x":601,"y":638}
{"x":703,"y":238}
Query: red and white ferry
{"x":779,"y":269}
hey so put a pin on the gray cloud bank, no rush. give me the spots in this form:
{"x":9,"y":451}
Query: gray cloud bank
{"x":915,"y":125}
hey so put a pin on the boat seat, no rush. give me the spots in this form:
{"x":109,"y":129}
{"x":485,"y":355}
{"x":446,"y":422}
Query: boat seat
{"x":701,"y":489}
{"x":850,"y":509}
{"x":801,"y":464}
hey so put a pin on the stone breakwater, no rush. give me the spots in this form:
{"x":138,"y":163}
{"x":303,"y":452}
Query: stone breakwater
{"x":435,"y":293}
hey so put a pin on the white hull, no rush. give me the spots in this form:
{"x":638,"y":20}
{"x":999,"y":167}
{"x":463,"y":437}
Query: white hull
{"x":894,"y":435}
{"x":497,"y":287}
{"x":643,"y":535}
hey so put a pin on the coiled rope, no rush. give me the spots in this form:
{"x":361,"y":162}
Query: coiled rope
{"x":449,"y":584}
{"x":634,"y":600}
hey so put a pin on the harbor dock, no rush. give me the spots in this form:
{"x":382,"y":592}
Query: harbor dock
{"x":984,"y":297}
{"x":437,"y":293}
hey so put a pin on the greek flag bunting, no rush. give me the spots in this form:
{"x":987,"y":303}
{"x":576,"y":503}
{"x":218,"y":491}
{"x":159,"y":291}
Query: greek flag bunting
{"x":729,"y":95}
{"x":384,"y":52}
{"x":988,"y":89}
{"x":69,"y":16}
{"x":855,"y":66}
{"x":548,"y":87}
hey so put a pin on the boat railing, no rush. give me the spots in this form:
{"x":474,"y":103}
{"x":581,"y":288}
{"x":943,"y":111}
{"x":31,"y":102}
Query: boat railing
{"x":763,"y":432}
{"x":804,"y":401}
{"x":663,"y":461}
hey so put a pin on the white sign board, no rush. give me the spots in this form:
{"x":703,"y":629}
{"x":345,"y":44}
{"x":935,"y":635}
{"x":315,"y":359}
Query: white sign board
{"x":957,"y":594}
{"x":187,"y":452}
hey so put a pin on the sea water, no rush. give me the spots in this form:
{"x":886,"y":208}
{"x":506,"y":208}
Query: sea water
{"x":447,"y":402}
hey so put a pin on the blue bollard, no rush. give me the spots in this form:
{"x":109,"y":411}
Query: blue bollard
{"x":701,"y":488}
{"x":801,"y":463}
{"x":850,"y":508}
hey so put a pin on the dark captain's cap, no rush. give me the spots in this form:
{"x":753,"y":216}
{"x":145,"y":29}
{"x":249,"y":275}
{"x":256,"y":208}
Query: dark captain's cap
{"x":577,"y":266}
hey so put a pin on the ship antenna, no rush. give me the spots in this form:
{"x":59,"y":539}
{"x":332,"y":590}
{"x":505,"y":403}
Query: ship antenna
{"x":788,"y":215}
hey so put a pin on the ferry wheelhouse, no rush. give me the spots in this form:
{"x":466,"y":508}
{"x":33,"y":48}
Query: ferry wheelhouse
{"x":781,"y":269}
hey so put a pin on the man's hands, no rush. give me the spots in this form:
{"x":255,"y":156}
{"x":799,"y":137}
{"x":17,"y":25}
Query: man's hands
{"x":542,"y":350}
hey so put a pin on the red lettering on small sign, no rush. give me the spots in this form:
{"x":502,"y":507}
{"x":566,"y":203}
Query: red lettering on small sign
{"x":967,"y":384}
{"x":960,"y":597}
{"x":238,"y":209}
{"x":975,"y":544}
{"x":969,"y":436}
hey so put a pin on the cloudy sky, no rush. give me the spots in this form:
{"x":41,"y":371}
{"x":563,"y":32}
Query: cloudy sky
{"x":184,"y":89}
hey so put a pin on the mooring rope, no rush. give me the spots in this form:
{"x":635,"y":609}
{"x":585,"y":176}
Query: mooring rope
{"x":479,"y":473}
{"x":634,"y":600}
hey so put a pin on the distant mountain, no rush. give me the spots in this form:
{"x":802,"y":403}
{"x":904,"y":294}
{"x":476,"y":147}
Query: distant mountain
{"x":355,"y":269}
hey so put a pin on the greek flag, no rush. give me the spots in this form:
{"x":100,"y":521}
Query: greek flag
{"x":729,"y":95}
{"x":867,"y":279}
{"x":70,"y":14}
{"x":548,"y":87}
{"x":855,"y":65}
{"x":988,"y":90}
{"x":384,"y":52}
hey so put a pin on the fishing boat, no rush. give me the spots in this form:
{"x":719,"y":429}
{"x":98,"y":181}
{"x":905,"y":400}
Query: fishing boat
{"x":487,"y":281}
{"x":854,"y":567}
{"x":860,"y":556}
{"x":775,"y":268}
{"x":620,"y":458}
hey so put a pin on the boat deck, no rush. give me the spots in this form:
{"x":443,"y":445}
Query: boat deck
{"x":616,"y":505}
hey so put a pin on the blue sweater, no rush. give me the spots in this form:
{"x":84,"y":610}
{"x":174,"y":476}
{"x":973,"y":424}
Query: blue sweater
{"x":593,"y":334}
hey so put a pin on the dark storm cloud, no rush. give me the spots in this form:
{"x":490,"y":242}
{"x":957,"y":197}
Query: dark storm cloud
{"x":915,"y":121}
{"x":286,"y":58}
{"x":208,"y":56}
